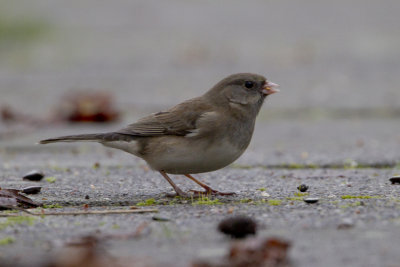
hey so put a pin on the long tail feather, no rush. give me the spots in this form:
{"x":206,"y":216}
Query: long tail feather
{"x":74,"y":138}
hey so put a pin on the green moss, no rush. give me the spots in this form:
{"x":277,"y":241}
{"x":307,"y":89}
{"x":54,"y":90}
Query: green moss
{"x":206,"y":201}
{"x":274,"y":202}
{"x":52,"y":206}
{"x":359,"y":197}
{"x":245,"y":200}
{"x":96,"y":166}
{"x":51,"y":179}
{"x":262,"y":189}
{"x":239,"y":166}
{"x":298,"y":166}
{"x":173,"y":202}
{"x":115,"y":226}
{"x":295,"y":198}
{"x":9,"y":211}
{"x":350,"y":164}
{"x":7,"y":240}
{"x":295,"y":166}
{"x":147,"y":202}
{"x":17,"y":220}
{"x":297,"y":194}
{"x":20,"y":30}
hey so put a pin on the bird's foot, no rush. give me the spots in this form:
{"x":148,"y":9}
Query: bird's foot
{"x":211,"y":192}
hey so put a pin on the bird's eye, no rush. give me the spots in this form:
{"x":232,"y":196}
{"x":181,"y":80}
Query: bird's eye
{"x":248,"y":84}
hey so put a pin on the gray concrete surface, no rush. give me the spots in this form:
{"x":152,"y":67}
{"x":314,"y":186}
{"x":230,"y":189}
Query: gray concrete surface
{"x":312,"y":229}
{"x":334,"y":126}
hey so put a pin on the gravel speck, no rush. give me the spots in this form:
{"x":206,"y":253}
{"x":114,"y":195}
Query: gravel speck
{"x":311,"y":200}
{"x":395,"y":180}
{"x":33,"y":176}
{"x":302,"y":188}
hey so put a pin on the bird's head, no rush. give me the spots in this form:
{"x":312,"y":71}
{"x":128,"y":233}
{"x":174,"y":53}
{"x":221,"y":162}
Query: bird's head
{"x":242,"y":91}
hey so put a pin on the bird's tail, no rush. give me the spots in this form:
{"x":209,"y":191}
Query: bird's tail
{"x":74,"y":138}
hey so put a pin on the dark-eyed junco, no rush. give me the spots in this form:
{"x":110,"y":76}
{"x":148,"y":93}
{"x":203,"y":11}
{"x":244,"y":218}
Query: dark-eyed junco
{"x":202,"y":134}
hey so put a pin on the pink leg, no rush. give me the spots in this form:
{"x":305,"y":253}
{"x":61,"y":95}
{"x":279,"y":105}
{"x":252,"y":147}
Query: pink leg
{"x":208,"y":190}
{"x":178,"y":191}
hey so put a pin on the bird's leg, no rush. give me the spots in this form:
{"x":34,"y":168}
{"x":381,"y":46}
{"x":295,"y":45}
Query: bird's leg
{"x":178,"y":191}
{"x":208,"y":190}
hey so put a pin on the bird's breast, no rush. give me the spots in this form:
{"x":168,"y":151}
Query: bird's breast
{"x":179,"y":155}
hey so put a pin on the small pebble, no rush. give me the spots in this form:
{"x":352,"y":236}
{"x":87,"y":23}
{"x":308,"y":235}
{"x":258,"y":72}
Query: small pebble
{"x":159,"y":219}
{"x":33,"y":176}
{"x":31,"y":190}
{"x":265,"y":194}
{"x":238,"y":226}
{"x":395,"y":180}
{"x":87,"y":197}
{"x":302,"y":188}
{"x":311,"y":200}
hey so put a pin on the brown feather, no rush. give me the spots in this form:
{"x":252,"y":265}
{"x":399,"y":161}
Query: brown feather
{"x":179,"y":120}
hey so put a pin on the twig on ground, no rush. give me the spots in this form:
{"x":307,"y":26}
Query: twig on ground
{"x":80,"y":212}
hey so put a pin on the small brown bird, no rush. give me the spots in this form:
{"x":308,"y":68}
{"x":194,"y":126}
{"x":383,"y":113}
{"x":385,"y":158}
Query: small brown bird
{"x":202,"y":134}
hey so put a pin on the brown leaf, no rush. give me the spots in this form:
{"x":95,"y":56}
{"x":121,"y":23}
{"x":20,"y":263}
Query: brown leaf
{"x":85,"y":251}
{"x":259,"y":252}
{"x":17,"y":200}
{"x":254,"y":252}
{"x":7,"y":114}
{"x":89,"y":251}
{"x":86,"y":106}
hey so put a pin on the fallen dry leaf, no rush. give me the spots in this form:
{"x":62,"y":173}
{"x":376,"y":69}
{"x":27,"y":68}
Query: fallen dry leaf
{"x":90,"y":251}
{"x":86,"y":106}
{"x":85,"y":251}
{"x":17,"y":201}
{"x":259,"y":252}
{"x":254,"y":252}
{"x":81,"y":106}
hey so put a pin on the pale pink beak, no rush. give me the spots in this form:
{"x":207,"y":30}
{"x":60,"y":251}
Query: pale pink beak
{"x":270,"y":88}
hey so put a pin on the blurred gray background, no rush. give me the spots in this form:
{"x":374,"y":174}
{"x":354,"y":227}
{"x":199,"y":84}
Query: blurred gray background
{"x":340,"y":55}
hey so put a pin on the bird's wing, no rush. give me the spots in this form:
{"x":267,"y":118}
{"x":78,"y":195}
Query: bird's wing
{"x":179,"y":120}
